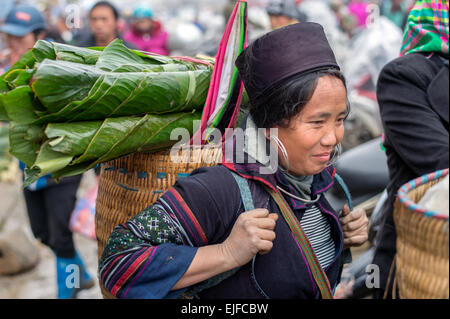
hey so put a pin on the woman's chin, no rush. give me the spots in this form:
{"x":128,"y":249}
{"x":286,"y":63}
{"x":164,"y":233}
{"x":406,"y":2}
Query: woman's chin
{"x":312,"y":170}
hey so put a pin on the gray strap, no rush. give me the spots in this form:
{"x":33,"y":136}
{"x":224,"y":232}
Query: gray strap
{"x":244,"y":188}
{"x":247,"y":199}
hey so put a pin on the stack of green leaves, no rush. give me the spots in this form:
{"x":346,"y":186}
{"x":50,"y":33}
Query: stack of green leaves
{"x":72,"y":108}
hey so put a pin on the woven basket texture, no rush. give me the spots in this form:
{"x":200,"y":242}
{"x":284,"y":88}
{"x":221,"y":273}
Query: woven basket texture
{"x":422,"y":258}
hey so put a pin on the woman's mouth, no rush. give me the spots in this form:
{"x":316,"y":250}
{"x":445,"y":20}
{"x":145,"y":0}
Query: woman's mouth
{"x":324,"y":157}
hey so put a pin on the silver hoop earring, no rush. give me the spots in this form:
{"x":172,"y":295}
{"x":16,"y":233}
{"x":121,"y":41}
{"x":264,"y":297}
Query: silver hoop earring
{"x":283,"y":151}
{"x":336,"y":154}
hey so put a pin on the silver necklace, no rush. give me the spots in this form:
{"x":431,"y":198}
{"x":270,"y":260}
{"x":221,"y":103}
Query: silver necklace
{"x":306,"y":201}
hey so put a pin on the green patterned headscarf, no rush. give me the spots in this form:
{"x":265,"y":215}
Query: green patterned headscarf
{"x":427,"y":29}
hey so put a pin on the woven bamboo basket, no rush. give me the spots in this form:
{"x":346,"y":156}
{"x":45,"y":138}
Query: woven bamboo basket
{"x":130,"y":184}
{"x":422,"y":258}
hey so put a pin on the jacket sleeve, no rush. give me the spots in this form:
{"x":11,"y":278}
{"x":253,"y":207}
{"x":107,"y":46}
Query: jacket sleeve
{"x":146,"y":256}
{"x":412,"y":128}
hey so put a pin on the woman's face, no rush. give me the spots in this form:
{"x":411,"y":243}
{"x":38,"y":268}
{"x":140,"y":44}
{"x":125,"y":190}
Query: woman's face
{"x":143,"y":25}
{"x":316,"y":130}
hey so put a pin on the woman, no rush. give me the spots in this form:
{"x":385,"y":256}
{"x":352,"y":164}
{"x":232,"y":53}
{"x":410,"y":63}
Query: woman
{"x":412,"y":92}
{"x":221,"y":233}
{"x":147,"y":33}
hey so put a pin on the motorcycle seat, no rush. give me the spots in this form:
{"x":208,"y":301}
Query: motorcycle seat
{"x":364,"y":168}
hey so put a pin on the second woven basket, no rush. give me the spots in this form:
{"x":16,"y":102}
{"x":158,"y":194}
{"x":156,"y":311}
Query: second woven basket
{"x":422,"y":258}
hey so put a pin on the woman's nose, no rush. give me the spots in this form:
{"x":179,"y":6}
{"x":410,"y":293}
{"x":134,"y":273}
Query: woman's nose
{"x":330,"y":138}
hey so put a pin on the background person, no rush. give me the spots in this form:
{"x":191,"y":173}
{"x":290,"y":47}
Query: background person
{"x":283,"y":13}
{"x":413,"y":95}
{"x":396,"y":11}
{"x":24,"y":25}
{"x":359,"y":9}
{"x":103,"y":23}
{"x":146,"y":33}
{"x":49,"y":204}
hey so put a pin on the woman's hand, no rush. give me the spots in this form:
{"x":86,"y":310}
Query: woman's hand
{"x":252,"y":233}
{"x":355,"y":226}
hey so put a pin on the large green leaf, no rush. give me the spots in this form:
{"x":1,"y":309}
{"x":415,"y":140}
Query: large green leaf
{"x":73,"y":141}
{"x":27,"y":61}
{"x":57,"y":83}
{"x":73,"y":148}
{"x":140,"y":93}
{"x":153,"y":134}
{"x":25,"y":141}
{"x":57,"y":51}
{"x":75,"y":92}
{"x":75,"y":54}
{"x":47,"y":161}
{"x":115,"y":55}
{"x":136,"y":67}
{"x":19,"y":77}
{"x":19,"y":105}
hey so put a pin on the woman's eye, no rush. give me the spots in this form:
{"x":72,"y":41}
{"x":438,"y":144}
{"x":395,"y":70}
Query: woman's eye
{"x":317,"y":122}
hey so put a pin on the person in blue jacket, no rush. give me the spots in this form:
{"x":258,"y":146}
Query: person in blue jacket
{"x":49,"y":204}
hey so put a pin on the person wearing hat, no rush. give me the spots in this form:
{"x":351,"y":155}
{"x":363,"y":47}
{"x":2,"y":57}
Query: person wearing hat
{"x":49,"y":204}
{"x":104,"y":21}
{"x":23,"y":26}
{"x":147,"y":33}
{"x":258,"y":225}
{"x":283,"y":13}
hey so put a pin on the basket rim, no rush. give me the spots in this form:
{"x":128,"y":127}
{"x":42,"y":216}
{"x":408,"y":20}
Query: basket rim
{"x":403,"y":191}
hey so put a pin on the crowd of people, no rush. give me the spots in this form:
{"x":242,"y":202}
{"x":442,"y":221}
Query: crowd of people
{"x":313,"y":90}
{"x":143,"y":33}
{"x":143,"y":30}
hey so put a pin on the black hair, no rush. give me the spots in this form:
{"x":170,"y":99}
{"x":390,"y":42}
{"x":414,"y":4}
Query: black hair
{"x":106,"y":4}
{"x":286,"y":100}
{"x":38,"y":32}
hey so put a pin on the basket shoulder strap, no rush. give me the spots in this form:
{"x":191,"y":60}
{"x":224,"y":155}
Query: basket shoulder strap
{"x":344,"y":187}
{"x":246,"y":195}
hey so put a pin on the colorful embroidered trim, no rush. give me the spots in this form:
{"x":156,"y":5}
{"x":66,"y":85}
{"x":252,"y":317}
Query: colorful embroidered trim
{"x":402,"y":194}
